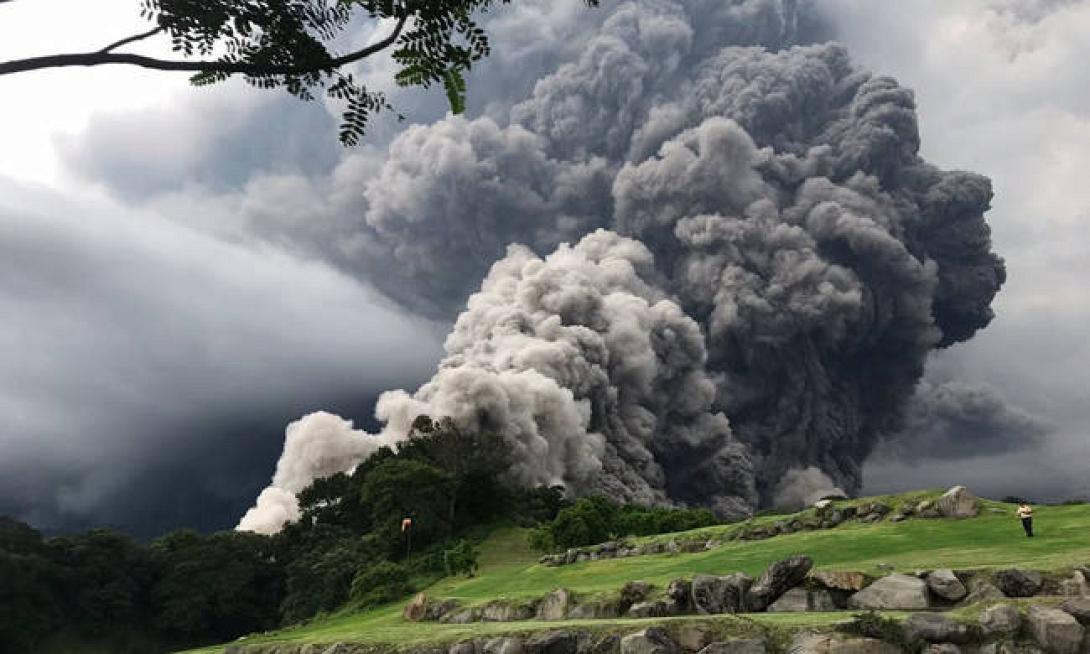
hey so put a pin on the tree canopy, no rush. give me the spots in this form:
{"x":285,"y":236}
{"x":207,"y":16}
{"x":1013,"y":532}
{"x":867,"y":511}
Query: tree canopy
{"x":298,"y":45}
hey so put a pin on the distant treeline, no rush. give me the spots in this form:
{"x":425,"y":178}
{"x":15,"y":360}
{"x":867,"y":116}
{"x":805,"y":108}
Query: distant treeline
{"x":348,"y":550}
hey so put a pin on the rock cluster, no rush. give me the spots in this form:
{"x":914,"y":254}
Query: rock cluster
{"x":958,"y":502}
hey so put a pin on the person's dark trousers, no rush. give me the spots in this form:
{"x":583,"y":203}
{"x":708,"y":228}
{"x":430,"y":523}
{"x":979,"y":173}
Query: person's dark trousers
{"x":1027,"y":524}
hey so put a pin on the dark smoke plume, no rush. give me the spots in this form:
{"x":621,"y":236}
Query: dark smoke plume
{"x":778,"y":255}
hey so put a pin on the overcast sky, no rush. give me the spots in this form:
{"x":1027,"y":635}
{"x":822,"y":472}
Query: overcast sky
{"x":174,"y":286}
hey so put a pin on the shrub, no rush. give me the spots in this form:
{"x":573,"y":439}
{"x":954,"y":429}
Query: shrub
{"x":462,"y":558}
{"x":380,"y":583}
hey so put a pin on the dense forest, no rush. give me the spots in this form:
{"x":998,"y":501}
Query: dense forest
{"x":348,"y":551}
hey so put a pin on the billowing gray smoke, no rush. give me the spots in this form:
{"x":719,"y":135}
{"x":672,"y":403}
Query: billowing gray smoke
{"x":778,"y":253}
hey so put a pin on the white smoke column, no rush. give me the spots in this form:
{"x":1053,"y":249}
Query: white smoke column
{"x":317,"y":445}
{"x":801,"y":487}
{"x":592,"y":376}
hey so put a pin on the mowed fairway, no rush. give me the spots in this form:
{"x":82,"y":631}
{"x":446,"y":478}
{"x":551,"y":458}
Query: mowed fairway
{"x":509,"y":569}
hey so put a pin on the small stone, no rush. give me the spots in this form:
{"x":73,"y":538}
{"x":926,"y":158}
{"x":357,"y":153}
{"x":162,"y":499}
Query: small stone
{"x":679,"y":591}
{"x":943,"y":648}
{"x":946,"y":585}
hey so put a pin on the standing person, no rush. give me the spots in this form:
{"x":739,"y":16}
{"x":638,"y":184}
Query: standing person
{"x":1025,"y":514}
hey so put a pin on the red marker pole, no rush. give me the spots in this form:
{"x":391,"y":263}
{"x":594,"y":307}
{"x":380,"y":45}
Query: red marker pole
{"x":407,"y":529}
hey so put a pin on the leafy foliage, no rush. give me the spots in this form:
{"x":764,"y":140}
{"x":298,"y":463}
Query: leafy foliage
{"x":380,"y":583}
{"x":290,"y":44}
{"x":597,"y":519}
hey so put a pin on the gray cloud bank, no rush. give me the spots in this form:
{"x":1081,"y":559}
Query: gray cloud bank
{"x":134,"y":347}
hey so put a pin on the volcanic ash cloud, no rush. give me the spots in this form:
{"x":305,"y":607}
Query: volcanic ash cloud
{"x":769,"y":261}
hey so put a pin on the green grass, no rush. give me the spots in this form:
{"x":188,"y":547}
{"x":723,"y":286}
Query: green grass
{"x":509,"y":570}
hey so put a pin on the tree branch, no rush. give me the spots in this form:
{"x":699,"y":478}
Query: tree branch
{"x":105,"y":57}
{"x":131,"y":39}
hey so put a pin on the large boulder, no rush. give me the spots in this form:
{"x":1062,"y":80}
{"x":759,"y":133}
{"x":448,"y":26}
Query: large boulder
{"x":935,"y":628}
{"x":462,"y":616}
{"x":946,"y":585}
{"x":417,"y":608}
{"x":693,"y":637}
{"x":895,"y":592}
{"x":661,"y":608}
{"x":1078,"y":608}
{"x":780,"y":577}
{"x":464,"y":647}
{"x":712,"y":595}
{"x":958,"y":502}
{"x":555,"y":605}
{"x":503,"y":645}
{"x":1000,"y":620}
{"x":602,"y":610}
{"x":799,"y":599}
{"x":796,"y":600}
{"x":648,"y":641}
{"x":1054,"y":630}
{"x":680,"y":590}
{"x":1019,"y":583}
{"x":982,"y":590}
{"x":635,"y":591}
{"x":1075,"y":586}
{"x":839,"y":580}
{"x":553,"y":642}
{"x":506,"y":611}
{"x":736,"y":646}
{"x":806,"y":643}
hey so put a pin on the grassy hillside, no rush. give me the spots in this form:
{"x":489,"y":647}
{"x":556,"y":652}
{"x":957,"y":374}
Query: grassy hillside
{"x":509,"y":568}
